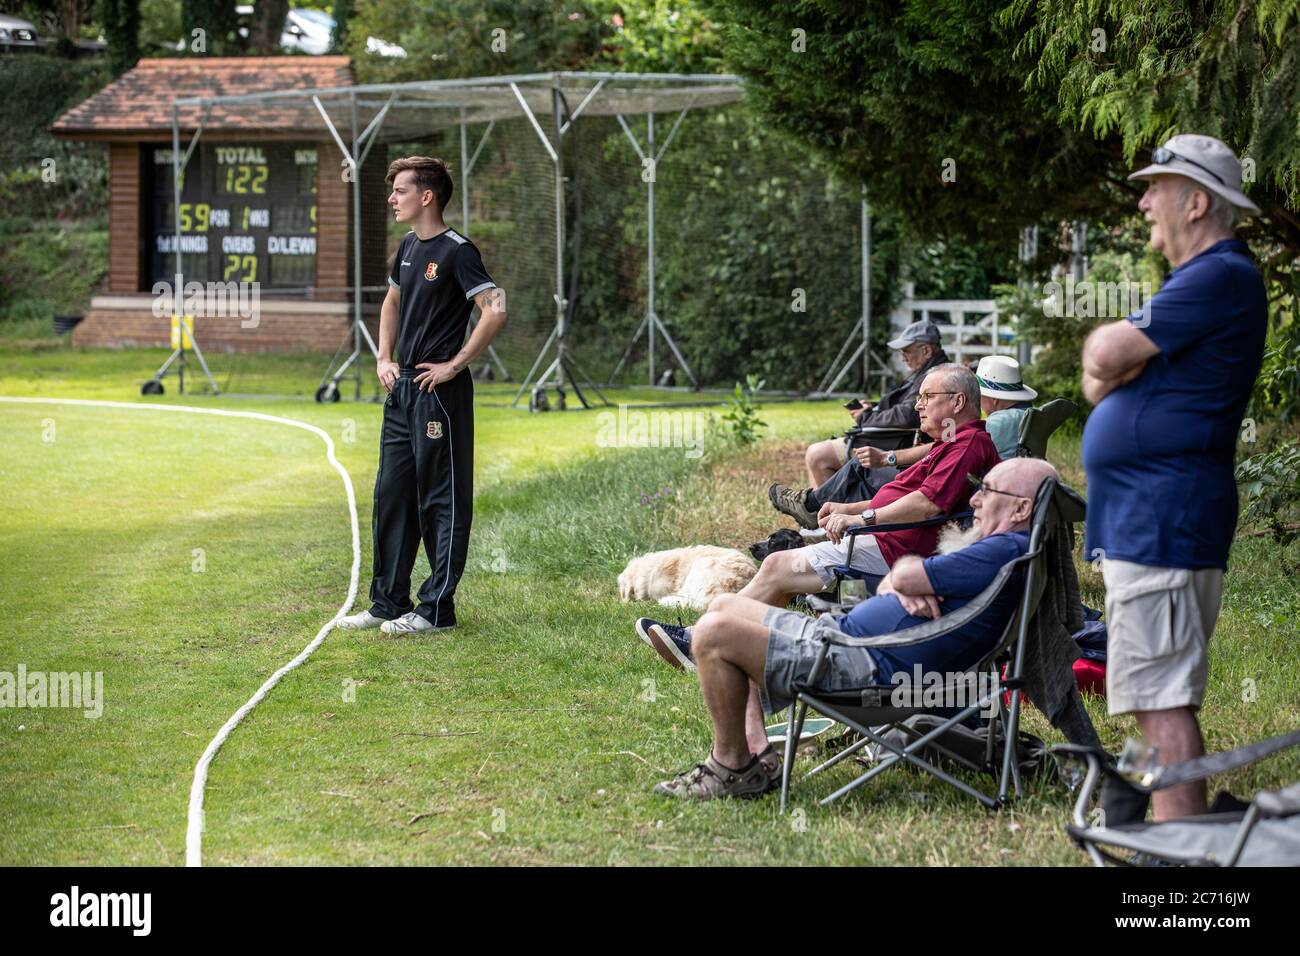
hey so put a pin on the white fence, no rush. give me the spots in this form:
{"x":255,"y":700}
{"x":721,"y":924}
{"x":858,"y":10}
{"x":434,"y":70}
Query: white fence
{"x":970,"y":327}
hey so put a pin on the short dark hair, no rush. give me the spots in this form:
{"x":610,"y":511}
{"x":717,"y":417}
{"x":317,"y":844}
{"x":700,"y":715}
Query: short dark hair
{"x":429,"y":173}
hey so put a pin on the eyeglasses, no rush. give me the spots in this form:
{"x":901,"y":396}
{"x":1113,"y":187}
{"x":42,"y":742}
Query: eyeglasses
{"x":925,"y":398}
{"x":1161,"y":156}
{"x":983,"y":487}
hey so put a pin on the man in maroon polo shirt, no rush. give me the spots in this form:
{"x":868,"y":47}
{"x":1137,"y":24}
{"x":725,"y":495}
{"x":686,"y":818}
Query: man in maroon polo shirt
{"x":949,"y":406}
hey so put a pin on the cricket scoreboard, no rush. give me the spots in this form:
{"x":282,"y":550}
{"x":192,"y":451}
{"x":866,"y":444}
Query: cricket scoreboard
{"x":247,"y":214}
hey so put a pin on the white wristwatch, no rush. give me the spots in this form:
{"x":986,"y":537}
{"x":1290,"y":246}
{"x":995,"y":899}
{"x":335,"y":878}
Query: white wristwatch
{"x":891,"y":459}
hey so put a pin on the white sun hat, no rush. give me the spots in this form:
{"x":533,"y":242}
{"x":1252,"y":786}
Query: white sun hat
{"x":999,"y":377}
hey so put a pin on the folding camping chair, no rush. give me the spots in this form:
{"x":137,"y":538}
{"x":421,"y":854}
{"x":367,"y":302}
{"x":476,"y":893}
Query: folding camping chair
{"x":846,"y":571}
{"x":1038,"y":425}
{"x":1267,"y":833}
{"x":871,"y":711}
{"x":881,"y":436}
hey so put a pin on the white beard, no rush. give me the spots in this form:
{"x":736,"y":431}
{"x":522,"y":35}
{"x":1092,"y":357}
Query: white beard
{"x":952,"y":538}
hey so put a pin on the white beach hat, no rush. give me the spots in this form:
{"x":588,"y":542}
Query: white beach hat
{"x":999,"y":377}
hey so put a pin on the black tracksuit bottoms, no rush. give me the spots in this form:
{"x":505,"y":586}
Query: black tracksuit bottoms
{"x":424,"y":491}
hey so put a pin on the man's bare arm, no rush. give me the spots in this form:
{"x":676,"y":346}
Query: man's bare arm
{"x":871,"y":457}
{"x":385,"y":367}
{"x":913,"y":506}
{"x":908,"y":576}
{"x":491,"y":320}
{"x":1113,"y":355}
{"x":908,"y":582}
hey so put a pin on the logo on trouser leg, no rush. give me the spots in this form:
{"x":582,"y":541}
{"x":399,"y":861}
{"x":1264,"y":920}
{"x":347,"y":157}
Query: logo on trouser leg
{"x":434,"y":430}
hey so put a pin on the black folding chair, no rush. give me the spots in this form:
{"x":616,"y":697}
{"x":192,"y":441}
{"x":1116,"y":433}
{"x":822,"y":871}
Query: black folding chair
{"x":1267,"y":833}
{"x":884,"y":437}
{"x":874,"y":710}
{"x":846,"y":572}
{"x":1039,"y":424}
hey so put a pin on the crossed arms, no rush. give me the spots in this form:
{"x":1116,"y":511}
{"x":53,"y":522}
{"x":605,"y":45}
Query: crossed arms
{"x":1113,"y":355}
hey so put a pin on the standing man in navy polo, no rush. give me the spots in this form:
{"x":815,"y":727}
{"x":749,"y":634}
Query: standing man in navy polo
{"x":1171,"y":384}
{"x":424,"y":489}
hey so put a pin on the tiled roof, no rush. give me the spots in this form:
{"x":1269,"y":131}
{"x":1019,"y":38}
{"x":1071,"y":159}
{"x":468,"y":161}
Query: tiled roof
{"x":140,"y":101}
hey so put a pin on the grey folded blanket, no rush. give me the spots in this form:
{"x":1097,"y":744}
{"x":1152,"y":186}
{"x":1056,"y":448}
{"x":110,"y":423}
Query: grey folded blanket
{"x":1050,"y":652}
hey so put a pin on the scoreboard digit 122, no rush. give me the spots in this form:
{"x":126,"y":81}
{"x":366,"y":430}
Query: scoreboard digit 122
{"x":248,"y":214}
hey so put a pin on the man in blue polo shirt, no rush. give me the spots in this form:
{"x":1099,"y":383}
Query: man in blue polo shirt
{"x":747,"y":652}
{"x":1171,"y":384}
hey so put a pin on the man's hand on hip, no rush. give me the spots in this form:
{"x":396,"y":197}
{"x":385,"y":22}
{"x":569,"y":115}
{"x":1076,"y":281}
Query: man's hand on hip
{"x":386,"y":369}
{"x":434,"y":374}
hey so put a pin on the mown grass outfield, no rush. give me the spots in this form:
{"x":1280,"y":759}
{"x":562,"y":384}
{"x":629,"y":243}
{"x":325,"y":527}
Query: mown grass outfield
{"x":531,"y":734}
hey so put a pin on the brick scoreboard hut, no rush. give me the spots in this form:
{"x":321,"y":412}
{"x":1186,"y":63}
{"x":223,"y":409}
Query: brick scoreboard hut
{"x":296,"y":234}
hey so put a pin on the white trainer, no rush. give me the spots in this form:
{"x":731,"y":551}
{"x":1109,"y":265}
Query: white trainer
{"x":360,"y":622}
{"x":411,"y":623}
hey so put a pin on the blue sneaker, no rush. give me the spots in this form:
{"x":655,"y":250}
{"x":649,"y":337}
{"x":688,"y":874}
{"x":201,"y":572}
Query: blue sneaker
{"x":672,"y":642}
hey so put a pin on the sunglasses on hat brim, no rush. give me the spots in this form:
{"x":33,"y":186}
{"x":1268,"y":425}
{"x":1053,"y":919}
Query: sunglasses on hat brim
{"x":1161,"y":157}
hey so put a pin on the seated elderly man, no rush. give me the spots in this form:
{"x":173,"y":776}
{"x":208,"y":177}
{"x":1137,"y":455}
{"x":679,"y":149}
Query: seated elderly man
{"x":948,"y":405}
{"x":935,"y":485}
{"x":747,"y":652}
{"x":920,"y":349}
{"x":1004,"y":400}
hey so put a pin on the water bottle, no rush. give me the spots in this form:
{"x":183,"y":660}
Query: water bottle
{"x":1139,"y":761}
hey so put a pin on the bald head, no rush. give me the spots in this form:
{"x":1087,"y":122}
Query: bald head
{"x":1022,"y":476}
{"x":1006,"y":501}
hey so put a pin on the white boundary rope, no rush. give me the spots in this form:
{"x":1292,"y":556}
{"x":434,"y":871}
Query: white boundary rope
{"x":194,"y":830}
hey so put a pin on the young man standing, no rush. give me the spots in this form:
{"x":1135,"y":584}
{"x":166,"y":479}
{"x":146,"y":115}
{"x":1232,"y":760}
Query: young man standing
{"x":424,"y":489}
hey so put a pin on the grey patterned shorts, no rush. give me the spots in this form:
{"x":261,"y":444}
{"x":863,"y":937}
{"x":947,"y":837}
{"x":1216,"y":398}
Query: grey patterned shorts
{"x":792,"y":646}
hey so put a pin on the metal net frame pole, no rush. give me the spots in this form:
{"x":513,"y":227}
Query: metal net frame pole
{"x":354,"y":159}
{"x":831,"y":380}
{"x":466,"y":165}
{"x":650,"y":159}
{"x":178,"y":291}
{"x":562,"y":367}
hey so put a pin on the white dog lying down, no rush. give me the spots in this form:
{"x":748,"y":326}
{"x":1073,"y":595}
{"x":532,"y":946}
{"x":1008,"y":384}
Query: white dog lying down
{"x":686,"y":577}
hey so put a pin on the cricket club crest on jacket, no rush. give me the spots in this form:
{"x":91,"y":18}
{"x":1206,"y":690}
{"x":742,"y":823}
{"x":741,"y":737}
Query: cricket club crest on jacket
{"x":434,"y":430}
{"x":431,"y":272}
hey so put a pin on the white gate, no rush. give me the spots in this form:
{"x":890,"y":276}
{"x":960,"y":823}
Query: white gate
{"x":970,"y":327}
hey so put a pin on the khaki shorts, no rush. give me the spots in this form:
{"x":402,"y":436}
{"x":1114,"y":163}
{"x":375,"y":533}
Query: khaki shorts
{"x":841,"y":446}
{"x":1158,"y":627}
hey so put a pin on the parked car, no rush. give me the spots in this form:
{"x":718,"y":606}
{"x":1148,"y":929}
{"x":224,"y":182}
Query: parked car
{"x":312,"y":31}
{"x":307,"y":31}
{"x":18,"y":35}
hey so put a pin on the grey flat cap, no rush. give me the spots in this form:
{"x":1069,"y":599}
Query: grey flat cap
{"x":923,"y":331}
